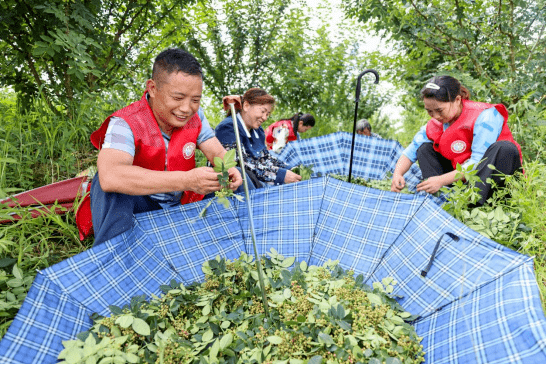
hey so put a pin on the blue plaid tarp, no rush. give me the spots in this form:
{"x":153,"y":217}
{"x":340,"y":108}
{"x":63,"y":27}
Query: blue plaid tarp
{"x":373,"y":157}
{"x":479,"y":303}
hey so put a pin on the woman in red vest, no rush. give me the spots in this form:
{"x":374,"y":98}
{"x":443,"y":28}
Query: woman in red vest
{"x":287,"y":130}
{"x":463,"y":132}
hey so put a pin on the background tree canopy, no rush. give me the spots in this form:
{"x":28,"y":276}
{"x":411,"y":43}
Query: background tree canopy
{"x":65,"y":49}
{"x":68,"y":52}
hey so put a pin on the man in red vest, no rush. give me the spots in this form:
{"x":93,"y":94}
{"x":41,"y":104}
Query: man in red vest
{"x":146,"y":159}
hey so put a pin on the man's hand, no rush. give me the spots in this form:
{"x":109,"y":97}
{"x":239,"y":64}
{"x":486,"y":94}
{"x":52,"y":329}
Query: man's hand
{"x":291,"y":177}
{"x":236,"y":99}
{"x":397,"y":183}
{"x":235,"y":178}
{"x":431,"y":185}
{"x":204,"y":180}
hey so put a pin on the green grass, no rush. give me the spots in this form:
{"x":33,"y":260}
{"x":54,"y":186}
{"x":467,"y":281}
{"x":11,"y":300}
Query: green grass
{"x":29,"y":245}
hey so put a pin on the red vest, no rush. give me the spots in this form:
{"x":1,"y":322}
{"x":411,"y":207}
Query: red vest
{"x":454,"y":143}
{"x":287,"y":123}
{"x":149,"y":150}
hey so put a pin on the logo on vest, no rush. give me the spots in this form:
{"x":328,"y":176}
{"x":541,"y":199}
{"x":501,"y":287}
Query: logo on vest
{"x":458,"y":146}
{"x":188,"y":150}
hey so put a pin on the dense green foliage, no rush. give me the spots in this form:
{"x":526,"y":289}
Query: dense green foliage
{"x":316,"y":314}
{"x":500,"y":43}
{"x":63,"y":50}
{"x":274,"y":45}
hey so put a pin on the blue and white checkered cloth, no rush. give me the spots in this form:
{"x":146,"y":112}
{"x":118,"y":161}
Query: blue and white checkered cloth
{"x":479,"y":302}
{"x":373,"y":157}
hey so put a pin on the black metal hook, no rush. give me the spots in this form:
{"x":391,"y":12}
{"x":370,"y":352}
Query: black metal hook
{"x":357,"y":95}
{"x":358,"y":87}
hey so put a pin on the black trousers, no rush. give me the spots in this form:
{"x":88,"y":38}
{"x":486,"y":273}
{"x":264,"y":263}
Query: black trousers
{"x":504,"y":155}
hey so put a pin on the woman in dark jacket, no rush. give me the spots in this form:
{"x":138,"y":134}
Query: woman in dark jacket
{"x":253,"y":110}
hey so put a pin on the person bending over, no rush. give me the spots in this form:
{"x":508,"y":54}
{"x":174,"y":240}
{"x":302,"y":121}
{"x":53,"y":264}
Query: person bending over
{"x":288,"y":130}
{"x":460,"y":131}
{"x":146,"y":159}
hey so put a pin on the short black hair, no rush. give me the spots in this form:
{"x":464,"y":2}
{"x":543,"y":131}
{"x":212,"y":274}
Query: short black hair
{"x":174,"y":60}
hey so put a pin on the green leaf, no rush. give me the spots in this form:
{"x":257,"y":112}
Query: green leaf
{"x":213,"y":352}
{"x":6,"y":261}
{"x":218,"y":164}
{"x":230,"y":156}
{"x":115,"y":331}
{"x":17,"y":272}
{"x":125,"y":320}
{"x":152,"y":347}
{"x":274,"y":340}
{"x":141,"y":327}
{"x":326,"y":339}
{"x":10,"y":297}
{"x":288,"y":262}
{"x":131,"y":358}
{"x":344,"y":325}
{"x":115,"y":310}
{"x":287,"y":293}
{"x":340,"y":312}
{"x":226,"y":341}
{"x":15,"y":283}
{"x":374,"y":299}
{"x":317,"y":359}
{"x":90,"y":341}
{"x":207,"y":336}
{"x":206,"y":310}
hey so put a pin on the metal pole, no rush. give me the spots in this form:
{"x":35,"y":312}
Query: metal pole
{"x":251,"y":222}
{"x":357,"y":94}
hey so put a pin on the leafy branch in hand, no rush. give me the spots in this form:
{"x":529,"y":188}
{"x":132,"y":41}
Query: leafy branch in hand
{"x":222,"y":165}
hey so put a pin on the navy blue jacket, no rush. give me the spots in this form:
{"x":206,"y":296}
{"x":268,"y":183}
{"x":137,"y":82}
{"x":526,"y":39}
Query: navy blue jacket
{"x":266,"y":167}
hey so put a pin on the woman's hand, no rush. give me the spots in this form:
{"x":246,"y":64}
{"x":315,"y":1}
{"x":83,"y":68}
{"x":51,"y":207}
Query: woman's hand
{"x":397,"y":183}
{"x":235,"y":178}
{"x":236,"y":99}
{"x":431,"y":185}
{"x":291,"y":177}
